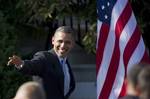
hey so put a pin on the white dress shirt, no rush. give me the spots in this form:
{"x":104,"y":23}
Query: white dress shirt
{"x":66,"y":75}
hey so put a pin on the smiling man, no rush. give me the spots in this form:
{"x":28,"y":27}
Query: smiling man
{"x":52,"y":66}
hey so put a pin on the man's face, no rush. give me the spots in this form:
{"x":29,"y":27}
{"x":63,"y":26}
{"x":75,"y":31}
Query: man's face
{"x":62,"y":43}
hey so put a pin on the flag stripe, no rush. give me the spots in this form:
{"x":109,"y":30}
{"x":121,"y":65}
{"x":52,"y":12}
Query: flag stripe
{"x":145,"y":57}
{"x":123,"y":19}
{"x":101,"y":44}
{"x":111,"y":71}
{"x":137,"y":54}
{"x":120,"y":46}
{"x":105,"y":61}
{"x":116,"y":54}
{"x":108,"y":48}
{"x":131,"y":46}
{"x":124,"y":38}
{"x":127,"y":33}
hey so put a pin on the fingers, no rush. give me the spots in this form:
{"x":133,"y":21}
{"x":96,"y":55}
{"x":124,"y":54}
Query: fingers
{"x":9,"y":62}
{"x":15,"y":60}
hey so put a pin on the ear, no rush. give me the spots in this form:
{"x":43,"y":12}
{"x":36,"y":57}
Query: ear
{"x":52,"y":40}
{"x":73,"y":43}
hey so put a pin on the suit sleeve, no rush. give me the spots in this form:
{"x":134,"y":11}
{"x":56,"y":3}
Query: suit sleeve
{"x":34,"y":66}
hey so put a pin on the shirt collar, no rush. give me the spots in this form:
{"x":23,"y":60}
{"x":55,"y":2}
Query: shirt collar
{"x":62,"y":59}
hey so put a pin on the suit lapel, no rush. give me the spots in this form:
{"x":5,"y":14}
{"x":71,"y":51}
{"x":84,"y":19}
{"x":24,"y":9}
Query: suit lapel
{"x":59,"y":71}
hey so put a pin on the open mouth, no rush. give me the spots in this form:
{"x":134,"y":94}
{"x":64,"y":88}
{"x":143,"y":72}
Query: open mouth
{"x":62,"y":51}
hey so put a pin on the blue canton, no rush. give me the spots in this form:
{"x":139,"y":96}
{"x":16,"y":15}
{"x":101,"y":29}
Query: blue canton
{"x":104,"y":10}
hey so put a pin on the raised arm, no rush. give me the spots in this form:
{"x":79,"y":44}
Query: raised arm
{"x":15,"y":60}
{"x":35,"y":66}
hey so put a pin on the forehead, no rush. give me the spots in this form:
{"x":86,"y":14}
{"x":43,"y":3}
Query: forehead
{"x":62,"y":35}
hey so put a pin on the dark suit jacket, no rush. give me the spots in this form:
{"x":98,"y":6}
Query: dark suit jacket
{"x":129,"y":97}
{"x":46,"y":65}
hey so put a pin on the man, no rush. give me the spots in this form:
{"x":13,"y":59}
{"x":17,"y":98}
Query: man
{"x":144,"y":83}
{"x":30,"y":90}
{"x":132,"y":81}
{"x":58,"y":80}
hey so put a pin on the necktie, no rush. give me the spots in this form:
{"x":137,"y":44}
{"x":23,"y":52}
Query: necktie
{"x":66,"y":76}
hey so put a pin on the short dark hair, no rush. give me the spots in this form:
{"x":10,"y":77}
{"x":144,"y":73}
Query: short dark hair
{"x":144,"y":82}
{"x":32,"y":89}
{"x":66,"y":29}
{"x":133,"y":73}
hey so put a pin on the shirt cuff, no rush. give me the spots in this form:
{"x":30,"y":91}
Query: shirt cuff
{"x":20,"y":66}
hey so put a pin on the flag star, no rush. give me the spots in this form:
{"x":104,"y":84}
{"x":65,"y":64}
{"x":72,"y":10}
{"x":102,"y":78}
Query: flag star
{"x":108,"y":4}
{"x":103,"y":7}
{"x":106,"y":17}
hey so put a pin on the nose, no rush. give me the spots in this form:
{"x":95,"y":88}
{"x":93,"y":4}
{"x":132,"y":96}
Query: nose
{"x":62,"y":44}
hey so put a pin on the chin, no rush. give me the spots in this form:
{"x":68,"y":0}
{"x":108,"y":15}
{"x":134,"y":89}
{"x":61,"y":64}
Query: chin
{"x":60,"y":55}
{"x":63,"y":55}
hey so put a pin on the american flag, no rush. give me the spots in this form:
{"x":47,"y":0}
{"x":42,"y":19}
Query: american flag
{"x":119,"y":46}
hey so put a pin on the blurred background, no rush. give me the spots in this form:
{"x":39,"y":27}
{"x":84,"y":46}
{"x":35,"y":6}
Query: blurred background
{"x":26,"y":26}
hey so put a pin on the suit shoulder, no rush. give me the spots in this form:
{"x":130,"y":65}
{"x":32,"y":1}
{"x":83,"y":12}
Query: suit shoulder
{"x":45,"y":54}
{"x":41,"y":52}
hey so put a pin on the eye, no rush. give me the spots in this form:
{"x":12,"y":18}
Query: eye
{"x":60,"y":41}
{"x":68,"y":42}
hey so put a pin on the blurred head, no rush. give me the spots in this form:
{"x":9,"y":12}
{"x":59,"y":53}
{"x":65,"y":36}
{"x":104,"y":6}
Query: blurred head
{"x":30,"y":90}
{"x":144,"y":83}
{"x":132,"y":78}
{"x":63,"y":41}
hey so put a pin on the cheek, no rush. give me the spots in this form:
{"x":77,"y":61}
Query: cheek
{"x":53,"y":43}
{"x":70,"y":47}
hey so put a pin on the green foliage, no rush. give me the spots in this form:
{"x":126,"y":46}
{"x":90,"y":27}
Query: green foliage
{"x":8,"y":39}
{"x":23,"y":17}
{"x":141,"y":10}
{"x":89,"y":40}
{"x":10,"y":82}
{"x":10,"y":79}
